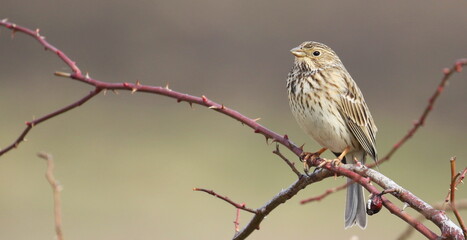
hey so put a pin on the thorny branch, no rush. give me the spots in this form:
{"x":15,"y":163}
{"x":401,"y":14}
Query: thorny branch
{"x":56,"y":188}
{"x":356,"y":173}
{"x":447,"y":73}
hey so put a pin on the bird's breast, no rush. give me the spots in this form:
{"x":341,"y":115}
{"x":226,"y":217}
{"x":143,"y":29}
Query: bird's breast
{"x":318,"y":115}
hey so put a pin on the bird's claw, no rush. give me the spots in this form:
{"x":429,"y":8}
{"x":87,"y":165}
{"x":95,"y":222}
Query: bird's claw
{"x":334,"y":162}
{"x":305,"y":156}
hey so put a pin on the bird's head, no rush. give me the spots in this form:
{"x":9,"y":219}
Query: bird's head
{"x":316,"y":55}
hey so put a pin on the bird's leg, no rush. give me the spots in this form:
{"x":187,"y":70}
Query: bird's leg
{"x":338,"y":160}
{"x":309,"y":155}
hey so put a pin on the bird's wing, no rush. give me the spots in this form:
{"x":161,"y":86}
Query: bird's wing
{"x":358,"y":118}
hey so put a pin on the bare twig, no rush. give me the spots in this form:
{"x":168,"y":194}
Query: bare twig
{"x":57,"y":188}
{"x":291,"y":164}
{"x":237,"y":219}
{"x":453,"y":186}
{"x":241,"y":206}
{"x":35,"y":122}
{"x":238,"y":206}
{"x":447,"y":73}
{"x":326,"y":193}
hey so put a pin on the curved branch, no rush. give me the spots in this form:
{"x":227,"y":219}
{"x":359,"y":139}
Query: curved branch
{"x":447,"y":73}
{"x":133,"y":87}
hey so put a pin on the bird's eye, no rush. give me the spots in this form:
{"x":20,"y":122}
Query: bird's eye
{"x":316,"y":53}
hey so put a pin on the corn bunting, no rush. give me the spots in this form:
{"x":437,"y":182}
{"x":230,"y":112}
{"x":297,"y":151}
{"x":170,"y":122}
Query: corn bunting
{"x":329,"y":107}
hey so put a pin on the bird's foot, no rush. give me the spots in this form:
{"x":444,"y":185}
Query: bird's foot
{"x":305,"y":156}
{"x":334,"y":162}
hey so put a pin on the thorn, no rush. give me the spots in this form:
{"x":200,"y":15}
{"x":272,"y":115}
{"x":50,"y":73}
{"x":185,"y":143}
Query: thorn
{"x":29,"y":123}
{"x":87,"y":75}
{"x":167,"y":86}
{"x":4,"y":20}
{"x":286,"y":137}
{"x":105,"y":91}
{"x":222,"y":107}
{"x":13,"y":32}
{"x":115,"y":91}
{"x":133,"y":90}
{"x":62,"y":74}
{"x":213,"y":107}
{"x":301,"y":147}
{"x":43,"y":155}
{"x":37,"y":32}
{"x":267,"y":140}
{"x":205,"y":100}
{"x":191,"y":105}
{"x":256,"y":119}
{"x":446,"y":71}
{"x":179,"y":100}
{"x":440,"y":89}
{"x":137,"y":83}
{"x":25,"y":139}
{"x":277,"y":148}
{"x":405,"y":206}
{"x":458,"y":66}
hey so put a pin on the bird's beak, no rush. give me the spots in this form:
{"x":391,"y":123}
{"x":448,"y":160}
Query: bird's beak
{"x":298,"y":52}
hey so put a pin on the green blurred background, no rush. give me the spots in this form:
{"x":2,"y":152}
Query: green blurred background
{"x":128,"y":163}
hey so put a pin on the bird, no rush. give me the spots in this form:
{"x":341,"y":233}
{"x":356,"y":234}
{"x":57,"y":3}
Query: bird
{"x":330,"y":108}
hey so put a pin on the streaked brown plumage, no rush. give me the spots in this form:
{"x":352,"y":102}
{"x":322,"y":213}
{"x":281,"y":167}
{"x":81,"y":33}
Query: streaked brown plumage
{"x":329,"y":107}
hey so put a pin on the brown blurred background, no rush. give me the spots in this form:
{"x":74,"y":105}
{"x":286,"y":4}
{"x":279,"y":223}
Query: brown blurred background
{"x":128,"y":162}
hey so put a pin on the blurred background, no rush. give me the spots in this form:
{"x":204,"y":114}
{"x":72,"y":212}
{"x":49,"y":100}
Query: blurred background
{"x":128,"y":163}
